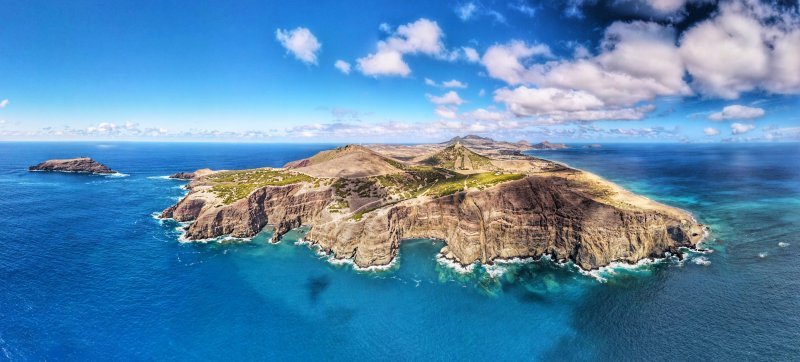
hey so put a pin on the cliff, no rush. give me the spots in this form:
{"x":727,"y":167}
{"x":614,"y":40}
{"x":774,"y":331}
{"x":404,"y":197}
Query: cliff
{"x":80,"y":164}
{"x":524,"y":208}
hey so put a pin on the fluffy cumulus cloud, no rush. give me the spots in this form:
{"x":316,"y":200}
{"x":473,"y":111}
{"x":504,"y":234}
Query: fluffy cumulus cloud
{"x":741,"y":128}
{"x":748,"y":45}
{"x":737,"y":111}
{"x":504,"y":61}
{"x":3,"y":103}
{"x":638,"y":62}
{"x":300,"y":42}
{"x":420,"y":37}
{"x":343,"y":66}
{"x":710,"y":131}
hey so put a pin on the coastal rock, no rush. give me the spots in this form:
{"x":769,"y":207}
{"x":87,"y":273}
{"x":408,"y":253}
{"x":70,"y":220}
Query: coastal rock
{"x":80,"y":164}
{"x":190,"y":175}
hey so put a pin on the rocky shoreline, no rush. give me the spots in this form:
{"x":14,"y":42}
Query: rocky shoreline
{"x":549,"y":210}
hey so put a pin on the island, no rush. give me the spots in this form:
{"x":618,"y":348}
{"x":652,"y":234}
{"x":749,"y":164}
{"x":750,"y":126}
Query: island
{"x":361,"y":202}
{"x":549,"y":146}
{"x":78,"y":165}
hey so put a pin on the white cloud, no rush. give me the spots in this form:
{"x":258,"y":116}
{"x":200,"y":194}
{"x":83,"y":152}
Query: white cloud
{"x":555,"y":106}
{"x":466,"y":11}
{"x":385,"y":27}
{"x":453,"y":83}
{"x":639,"y":63}
{"x":710,"y":131}
{"x":778,"y":134}
{"x":737,"y":112}
{"x":481,"y":114}
{"x":481,"y":93}
{"x":740,"y":128}
{"x":422,"y":36}
{"x":3,"y":103}
{"x":471,"y":10}
{"x":524,"y":101}
{"x":471,"y":55}
{"x":301,"y":43}
{"x":445,"y":112}
{"x":384,"y":63}
{"x":343,"y":66}
{"x":505,"y":61}
{"x":523,"y":8}
{"x":748,"y":45}
{"x":451,"y":98}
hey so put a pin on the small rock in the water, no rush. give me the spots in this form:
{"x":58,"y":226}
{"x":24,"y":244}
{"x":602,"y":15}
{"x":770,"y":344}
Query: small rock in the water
{"x":80,"y":164}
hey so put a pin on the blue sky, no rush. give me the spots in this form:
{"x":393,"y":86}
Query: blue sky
{"x":573,"y":71}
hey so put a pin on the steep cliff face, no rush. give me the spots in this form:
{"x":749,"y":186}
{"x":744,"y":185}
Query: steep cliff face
{"x":529,"y":217}
{"x":538,"y":214}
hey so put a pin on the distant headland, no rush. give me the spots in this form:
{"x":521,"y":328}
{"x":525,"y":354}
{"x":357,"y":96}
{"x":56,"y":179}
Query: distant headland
{"x":484,"y":198}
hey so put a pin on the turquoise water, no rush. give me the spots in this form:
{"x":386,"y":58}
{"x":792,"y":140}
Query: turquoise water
{"x":86,"y":272}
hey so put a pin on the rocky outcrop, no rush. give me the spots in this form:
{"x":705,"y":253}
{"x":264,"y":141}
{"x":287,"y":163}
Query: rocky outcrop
{"x":539,"y":214}
{"x":80,"y":164}
{"x":190,"y":175}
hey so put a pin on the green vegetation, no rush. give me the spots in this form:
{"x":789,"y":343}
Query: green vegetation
{"x":455,"y":157}
{"x":479,"y":181}
{"x":236,"y":185}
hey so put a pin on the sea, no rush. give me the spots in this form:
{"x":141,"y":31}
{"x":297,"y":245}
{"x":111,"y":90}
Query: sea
{"x":88,"y":273}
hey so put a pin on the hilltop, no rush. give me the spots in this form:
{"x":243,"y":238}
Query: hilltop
{"x":361,"y":202}
{"x":351,"y":161}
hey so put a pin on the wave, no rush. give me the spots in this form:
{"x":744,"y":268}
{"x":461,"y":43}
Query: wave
{"x":701,"y":260}
{"x":461,"y":269}
{"x":117,"y":174}
{"x":783,"y":244}
{"x":762,"y":255}
{"x":160,"y":178}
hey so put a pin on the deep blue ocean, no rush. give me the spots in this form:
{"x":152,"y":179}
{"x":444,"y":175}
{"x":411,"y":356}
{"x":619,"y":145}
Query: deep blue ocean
{"x":86,"y":271}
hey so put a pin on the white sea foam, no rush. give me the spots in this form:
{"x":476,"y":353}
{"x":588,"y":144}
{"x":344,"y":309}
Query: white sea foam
{"x":701,"y":260}
{"x":117,"y":174}
{"x":160,"y":178}
{"x":783,"y":244}
{"x":762,"y":255}
{"x":441,"y":259}
{"x":602,"y":273}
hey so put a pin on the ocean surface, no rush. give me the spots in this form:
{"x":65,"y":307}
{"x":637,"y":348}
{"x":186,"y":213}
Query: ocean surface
{"x":87,"y":272}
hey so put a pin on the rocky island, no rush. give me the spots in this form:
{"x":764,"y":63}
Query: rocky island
{"x":361,"y":202}
{"x":79,"y":165}
{"x":549,"y":146}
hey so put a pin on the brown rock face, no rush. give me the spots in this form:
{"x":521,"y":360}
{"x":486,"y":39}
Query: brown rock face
{"x":524,"y":218}
{"x":81,"y":164}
